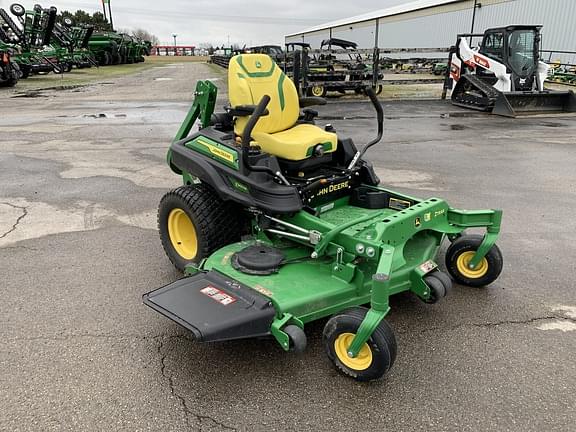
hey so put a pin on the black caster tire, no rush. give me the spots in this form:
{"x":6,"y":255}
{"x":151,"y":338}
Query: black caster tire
{"x":439,"y":284}
{"x":461,"y":252}
{"x":375,"y":358}
{"x":297,"y":338}
{"x":194,"y":222}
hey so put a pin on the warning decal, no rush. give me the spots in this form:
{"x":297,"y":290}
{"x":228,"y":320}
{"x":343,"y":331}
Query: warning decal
{"x":218,"y":295}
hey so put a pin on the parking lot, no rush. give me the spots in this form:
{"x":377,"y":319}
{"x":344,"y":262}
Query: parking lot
{"x":81,"y":173}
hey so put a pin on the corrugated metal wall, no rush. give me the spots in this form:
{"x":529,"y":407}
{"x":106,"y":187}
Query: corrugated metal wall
{"x":438,"y":27}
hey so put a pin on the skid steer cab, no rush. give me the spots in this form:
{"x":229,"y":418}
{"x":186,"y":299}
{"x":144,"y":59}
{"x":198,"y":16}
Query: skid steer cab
{"x":504,"y":74}
{"x":281,"y":222}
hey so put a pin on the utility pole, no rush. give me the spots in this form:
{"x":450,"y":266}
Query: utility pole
{"x":104,"y":3}
{"x":476,"y":6}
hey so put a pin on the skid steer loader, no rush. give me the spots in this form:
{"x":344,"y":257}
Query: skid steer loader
{"x":504,"y":74}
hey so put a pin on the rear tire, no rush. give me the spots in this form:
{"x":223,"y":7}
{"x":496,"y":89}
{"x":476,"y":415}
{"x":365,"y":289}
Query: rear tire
{"x":194,"y":222}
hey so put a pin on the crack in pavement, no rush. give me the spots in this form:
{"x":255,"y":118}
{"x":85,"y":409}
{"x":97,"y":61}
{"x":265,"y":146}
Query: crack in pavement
{"x":18,"y":220}
{"x":170,"y":381}
{"x":187,"y":411}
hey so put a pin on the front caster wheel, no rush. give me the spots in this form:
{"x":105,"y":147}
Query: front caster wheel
{"x":375,"y":358}
{"x":461,"y":252}
{"x":297,"y":338}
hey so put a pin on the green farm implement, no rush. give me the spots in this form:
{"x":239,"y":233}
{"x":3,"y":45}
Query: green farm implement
{"x":31,"y":36}
{"x":280,"y":223}
{"x":106,"y":47}
{"x":111,"y":48}
{"x":73,"y":40}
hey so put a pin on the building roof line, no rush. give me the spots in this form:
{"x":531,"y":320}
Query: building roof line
{"x":380,"y":13}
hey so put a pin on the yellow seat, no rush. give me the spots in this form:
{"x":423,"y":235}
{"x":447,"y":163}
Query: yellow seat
{"x":250,"y":77}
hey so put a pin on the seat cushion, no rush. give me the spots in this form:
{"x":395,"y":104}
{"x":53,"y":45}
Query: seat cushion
{"x":296,"y":143}
{"x":251,"y":76}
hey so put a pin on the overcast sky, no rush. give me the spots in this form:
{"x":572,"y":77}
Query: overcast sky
{"x":247,"y":22}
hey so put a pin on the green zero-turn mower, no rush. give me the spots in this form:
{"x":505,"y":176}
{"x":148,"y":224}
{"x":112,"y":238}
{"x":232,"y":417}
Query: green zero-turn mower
{"x":280,"y":223}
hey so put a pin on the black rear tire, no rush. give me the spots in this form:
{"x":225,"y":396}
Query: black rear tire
{"x":215,"y":223}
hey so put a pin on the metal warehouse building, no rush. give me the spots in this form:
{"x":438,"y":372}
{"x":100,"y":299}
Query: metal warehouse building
{"x":435,"y":23}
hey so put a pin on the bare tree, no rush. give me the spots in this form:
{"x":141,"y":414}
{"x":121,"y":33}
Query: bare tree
{"x":146,"y":35}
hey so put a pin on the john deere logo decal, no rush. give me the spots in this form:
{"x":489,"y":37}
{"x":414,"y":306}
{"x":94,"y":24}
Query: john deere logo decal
{"x":258,"y":64}
{"x":417,"y":222}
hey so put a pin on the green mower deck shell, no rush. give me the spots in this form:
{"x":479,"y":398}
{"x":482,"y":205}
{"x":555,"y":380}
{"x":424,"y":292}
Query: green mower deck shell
{"x":404,"y":244}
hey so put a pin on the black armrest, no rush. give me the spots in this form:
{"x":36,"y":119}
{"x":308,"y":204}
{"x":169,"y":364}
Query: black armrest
{"x":244,"y":110}
{"x":311,"y":101}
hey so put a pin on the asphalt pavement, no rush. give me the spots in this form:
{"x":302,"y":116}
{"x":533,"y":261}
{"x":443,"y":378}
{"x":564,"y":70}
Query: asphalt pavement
{"x":81,"y":173}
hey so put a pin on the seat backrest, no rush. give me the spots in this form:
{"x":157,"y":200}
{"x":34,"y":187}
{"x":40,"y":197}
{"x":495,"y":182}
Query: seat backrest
{"x":251,"y":76}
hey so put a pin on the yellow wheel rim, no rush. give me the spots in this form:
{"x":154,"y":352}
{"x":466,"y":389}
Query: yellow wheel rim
{"x":361,"y":362}
{"x":317,"y":90}
{"x":463,"y":262}
{"x":182,"y":234}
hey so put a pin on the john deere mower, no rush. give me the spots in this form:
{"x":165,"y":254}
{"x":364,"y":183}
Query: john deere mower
{"x":281,"y":222}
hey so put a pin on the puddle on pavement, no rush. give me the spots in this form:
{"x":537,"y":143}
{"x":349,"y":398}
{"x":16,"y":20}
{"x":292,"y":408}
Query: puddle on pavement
{"x":101,"y":115}
{"x":406,"y":179}
{"x":458,"y":127}
{"x":552,"y":125}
